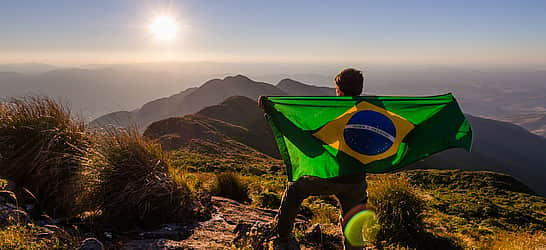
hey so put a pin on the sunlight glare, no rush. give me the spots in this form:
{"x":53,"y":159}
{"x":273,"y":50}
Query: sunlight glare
{"x":164,"y":28}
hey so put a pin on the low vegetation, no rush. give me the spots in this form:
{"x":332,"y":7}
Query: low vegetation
{"x":136,"y":184}
{"x":479,"y":208}
{"x":516,"y":240}
{"x":24,"y":237}
{"x":399,"y":209}
{"x":229,"y":185}
{"x":267,"y":199}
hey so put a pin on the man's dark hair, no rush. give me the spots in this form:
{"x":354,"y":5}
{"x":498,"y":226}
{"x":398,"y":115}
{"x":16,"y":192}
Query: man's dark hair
{"x":350,"y":82}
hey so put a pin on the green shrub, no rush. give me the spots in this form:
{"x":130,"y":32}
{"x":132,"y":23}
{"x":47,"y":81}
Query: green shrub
{"x":137,"y":185}
{"x":230,"y":186}
{"x":268,"y":200}
{"x":24,"y":237}
{"x":43,"y":149}
{"x":399,"y":210}
{"x":323,"y":210}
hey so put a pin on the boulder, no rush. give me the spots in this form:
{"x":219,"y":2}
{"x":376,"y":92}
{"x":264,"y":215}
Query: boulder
{"x":91,"y":244}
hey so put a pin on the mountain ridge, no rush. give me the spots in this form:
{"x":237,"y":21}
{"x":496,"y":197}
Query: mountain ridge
{"x":233,"y":126}
{"x":190,"y":101}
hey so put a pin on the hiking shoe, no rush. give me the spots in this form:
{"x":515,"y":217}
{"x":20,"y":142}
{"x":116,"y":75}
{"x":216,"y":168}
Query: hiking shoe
{"x":284,"y":243}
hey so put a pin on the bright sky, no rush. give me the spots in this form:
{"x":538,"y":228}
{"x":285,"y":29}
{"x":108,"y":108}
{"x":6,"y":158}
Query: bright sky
{"x":406,"y":32}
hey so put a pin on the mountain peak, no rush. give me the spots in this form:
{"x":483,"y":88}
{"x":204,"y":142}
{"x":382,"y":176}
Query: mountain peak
{"x":238,"y":77}
{"x":286,"y":81}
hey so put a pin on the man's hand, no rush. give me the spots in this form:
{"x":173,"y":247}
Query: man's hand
{"x":261,"y":102}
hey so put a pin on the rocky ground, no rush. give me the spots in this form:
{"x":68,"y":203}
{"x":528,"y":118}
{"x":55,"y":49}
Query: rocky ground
{"x":229,"y":219}
{"x":232,"y":225}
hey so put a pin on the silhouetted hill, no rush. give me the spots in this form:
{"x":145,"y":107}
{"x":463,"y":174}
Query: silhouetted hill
{"x":235,"y":125}
{"x":534,"y":122}
{"x":210,"y":93}
{"x":201,"y":134}
{"x":244,"y":112}
{"x":498,"y":146}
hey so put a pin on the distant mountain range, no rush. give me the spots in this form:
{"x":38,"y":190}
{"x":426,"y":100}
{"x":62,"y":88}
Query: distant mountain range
{"x":210,"y":93}
{"x":498,"y":146}
{"x":27,"y":68}
{"x":95,"y":90}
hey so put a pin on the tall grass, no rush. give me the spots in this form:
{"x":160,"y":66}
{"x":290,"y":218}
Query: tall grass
{"x":43,"y":149}
{"x":399,"y":210}
{"x":119,"y":175}
{"x":137,"y":186}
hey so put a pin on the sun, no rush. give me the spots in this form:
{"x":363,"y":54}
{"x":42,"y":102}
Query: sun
{"x":164,"y":28}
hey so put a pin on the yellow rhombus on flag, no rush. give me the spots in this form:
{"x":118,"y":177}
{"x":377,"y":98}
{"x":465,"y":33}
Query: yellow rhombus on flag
{"x":333,"y":132}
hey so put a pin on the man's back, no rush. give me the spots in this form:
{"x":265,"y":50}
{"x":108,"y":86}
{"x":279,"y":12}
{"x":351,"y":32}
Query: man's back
{"x":350,"y":190}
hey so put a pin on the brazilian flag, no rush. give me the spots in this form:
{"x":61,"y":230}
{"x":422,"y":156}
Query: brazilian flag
{"x":337,"y":136}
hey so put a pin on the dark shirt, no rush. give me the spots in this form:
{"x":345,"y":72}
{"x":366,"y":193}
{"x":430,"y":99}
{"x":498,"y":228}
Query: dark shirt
{"x":349,"y":179}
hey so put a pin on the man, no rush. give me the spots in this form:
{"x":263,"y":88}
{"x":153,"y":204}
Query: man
{"x":349,"y":190}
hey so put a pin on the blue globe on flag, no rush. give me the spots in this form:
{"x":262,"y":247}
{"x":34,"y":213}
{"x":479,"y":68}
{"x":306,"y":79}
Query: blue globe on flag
{"x":369,"y":132}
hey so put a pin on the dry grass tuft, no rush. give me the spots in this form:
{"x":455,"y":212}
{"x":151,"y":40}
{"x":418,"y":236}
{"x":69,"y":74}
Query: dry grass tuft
{"x":43,"y":149}
{"x":137,"y":185}
{"x":521,"y":240}
{"x":119,"y":176}
{"x":398,"y":208}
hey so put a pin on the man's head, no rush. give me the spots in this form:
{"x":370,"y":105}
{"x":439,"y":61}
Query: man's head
{"x":349,"y":82}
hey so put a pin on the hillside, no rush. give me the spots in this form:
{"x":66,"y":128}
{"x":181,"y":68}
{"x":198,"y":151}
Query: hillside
{"x":201,"y":134}
{"x":236,"y":125}
{"x":475,"y":206}
{"x":498,"y":146}
{"x":244,"y":112}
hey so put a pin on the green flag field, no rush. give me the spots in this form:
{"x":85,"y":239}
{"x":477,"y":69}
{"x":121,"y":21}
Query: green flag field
{"x":337,"y":136}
